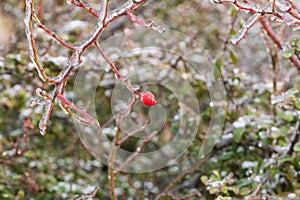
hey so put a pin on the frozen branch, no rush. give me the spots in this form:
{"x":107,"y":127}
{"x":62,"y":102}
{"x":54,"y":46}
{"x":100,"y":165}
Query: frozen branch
{"x":284,"y":11}
{"x":145,"y":24}
{"x":79,"y":3}
{"x":130,"y":87}
{"x":87,"y":119}
{"x":29,"y":13}
{"x":267,"y":27}
{"x":105,"y":17}
{"x":88,"y":196}
{"x":54,"y":35}
{"x":111,"y":164}
{"x":246,"y":27}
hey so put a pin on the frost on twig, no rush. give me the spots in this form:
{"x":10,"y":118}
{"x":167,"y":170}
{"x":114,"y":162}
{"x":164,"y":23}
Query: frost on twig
{"x":279,"y":11}
{"x":145,"y":24}
{"x":241,"y":34}
{"x":56,"y":96}
{"x":88,"y":196}
{"x":79,"y":3}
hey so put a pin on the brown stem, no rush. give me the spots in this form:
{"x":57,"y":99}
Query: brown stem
{"x":277,"y":40}
{"x":130,"y":182}
{"x":79,"y":3}
{"x":68,"y":104}
{"x":104,"y":18}
{"x":133,"y":133}
{"x":116,"y":71}
{"x":54,"y":35}
{"x":111,"y":64}
{"x":111,"y":174}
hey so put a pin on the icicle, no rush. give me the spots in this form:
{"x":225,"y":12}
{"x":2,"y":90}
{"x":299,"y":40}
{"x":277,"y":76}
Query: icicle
{"x":46,"y":117}
{"x":243,"y":31}
{"x":158,"y":28}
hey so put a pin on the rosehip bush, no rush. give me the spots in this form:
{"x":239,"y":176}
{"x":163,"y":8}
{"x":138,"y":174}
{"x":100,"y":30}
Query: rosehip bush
{"x":257,"y":156}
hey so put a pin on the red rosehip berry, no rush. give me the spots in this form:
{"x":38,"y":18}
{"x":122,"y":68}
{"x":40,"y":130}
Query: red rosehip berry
{"x":148,"y":98}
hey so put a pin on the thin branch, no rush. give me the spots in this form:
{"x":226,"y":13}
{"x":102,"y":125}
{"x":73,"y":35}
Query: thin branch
{"x":295,"y":138}
{"x":68,"y":104}
{"x":277,"y":40}
{"x":145,"y":24}
{"x":111,"y":174}
{"x":79,"y":3}
{"x":135,"y":154}
{"x":111,"y":64}
{"x":105,"y":17}
{"x":29,"y":13}
{"x":241,"y":34}
{"x":88,"y":196}
{"x":139,"y":192}
{"x":133,"y":133}
{"x":116,"y":71}
{"x":103,"y":12}
{"x":266,"y":25}
{"x":54,"y":35}
{"x":181,"y":177}
{"x":283,"y":6}
{"x":46,"y":118}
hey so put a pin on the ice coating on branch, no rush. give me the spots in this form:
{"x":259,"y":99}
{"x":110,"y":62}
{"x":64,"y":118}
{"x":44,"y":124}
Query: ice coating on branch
{"x":246,"y":6}
{"x":283,"y":5}
{"x":158,"y":28}
{"x":243,"y":31}
{"x":146,"y":24}
{"x":46,"y":117}
{"x":28,"y":32}
{"x":118,"y":11}
{"x":221,"y":1}
{"x":296,"y":28}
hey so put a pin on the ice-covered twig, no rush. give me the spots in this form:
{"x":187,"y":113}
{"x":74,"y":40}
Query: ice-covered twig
{"x":70,"y":105}
{"x":145,"y":24}
{"x":241,"y":34}
{"x":284,"y":11}
{"x":130,"y":87}
{"x":79,"y":3}
{"x":105,"y":17}
{"x":55,"y":36}
{"x":29,"y":13}
{"x":267,"y":27}
{"x":88,"y":196}
{"x":46,"y":117}
{"x":283,"y":6}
